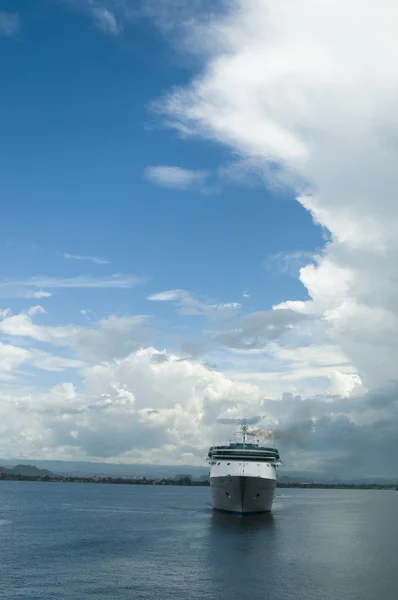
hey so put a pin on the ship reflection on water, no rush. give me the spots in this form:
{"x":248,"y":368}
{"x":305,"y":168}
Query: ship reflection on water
{"x":237,"y":547}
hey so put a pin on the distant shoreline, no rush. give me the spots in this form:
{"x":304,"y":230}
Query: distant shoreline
{"x":185,"y":481}
{"x":340,"y":486}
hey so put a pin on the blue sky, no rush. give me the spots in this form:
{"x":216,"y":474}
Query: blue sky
{"x":197,"y":224}
{"x":78,"y":134}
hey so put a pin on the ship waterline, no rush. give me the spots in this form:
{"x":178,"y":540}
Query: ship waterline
{"x":242,"y":495}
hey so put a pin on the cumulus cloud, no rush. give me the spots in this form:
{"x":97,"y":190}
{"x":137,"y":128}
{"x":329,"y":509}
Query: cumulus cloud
{"x":282,"y":366}
{"x":299,"y":85}
{"x":304,"y":93}
{"x":176,"y":177}
{"x":12,"y":356}
{"x":108,"y":338}
{"x":112,"y":337}
{"x":10,"y":24}
{"x":256,"y":330}
{"x":250,"y":333}
{"x":150,"y":405}
{"x":143,"y":410}
{"x":136,"y":407}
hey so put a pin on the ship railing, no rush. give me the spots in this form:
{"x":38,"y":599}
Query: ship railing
{"x":236,"y":458}
{"x":247,"y":447}
{"x":245,"y":451}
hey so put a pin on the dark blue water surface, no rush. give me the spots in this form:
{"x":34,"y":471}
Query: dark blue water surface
{"x":86,"y":541}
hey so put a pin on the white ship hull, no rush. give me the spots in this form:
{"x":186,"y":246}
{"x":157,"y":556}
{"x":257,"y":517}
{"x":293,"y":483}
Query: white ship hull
{"x":242,"y":487}
{"x":242,"y":494}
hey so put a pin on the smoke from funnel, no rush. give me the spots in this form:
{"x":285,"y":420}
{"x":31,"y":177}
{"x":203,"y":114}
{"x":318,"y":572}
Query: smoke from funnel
{"x":262,"y":434}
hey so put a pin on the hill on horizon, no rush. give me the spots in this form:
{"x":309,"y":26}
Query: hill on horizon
{"x":26,"y":471}
{"x":87,"y":469}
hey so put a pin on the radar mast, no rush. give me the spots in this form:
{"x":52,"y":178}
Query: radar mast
{"x":244,"y":430}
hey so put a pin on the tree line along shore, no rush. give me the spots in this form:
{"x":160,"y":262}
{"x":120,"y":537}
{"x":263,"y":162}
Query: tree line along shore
{"x":182,"y":481}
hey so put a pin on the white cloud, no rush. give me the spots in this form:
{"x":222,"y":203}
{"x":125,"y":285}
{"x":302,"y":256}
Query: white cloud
{"x":114,"y":282}
{"x":168,"y":296}
{"x":106,"y":20}
{"x":35,"y":310}
{"x":256,"y":330}
{"x":295,"y":305}
{"x":176,"y":177}
{"x":50,"y":362}
{"x":12,"y":356}
{"x":65,"y":390}
{"x":314,"y":355}
{"x":39,"y":294}
{"x":137,"y":407}
{"x":113,"y":337}
{"x":303,"y":92}
{"x":141,"y":409}
{"x":21,"y":325}
{"x":345,"y":384}
{"x":281,"y":365}
{"x":16,"y":288}
{"x":95,"y":259}
{"x":108,"y":338}
{"x":300,"y":86}
{"x":10,"y":24}
{"x":189,"y":305}
{"x":168,"y":16}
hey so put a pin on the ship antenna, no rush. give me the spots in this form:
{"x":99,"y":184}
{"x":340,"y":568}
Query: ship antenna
{"x":244,"y":428}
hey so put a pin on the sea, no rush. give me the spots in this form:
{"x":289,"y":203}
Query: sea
{"x":95,"y":542}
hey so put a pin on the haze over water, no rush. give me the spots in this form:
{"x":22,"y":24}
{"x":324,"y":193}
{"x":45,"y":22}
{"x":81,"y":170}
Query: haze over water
{"x":80,"y":541}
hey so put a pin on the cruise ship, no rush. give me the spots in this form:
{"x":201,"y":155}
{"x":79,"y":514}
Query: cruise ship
{"x":243,"y":475}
